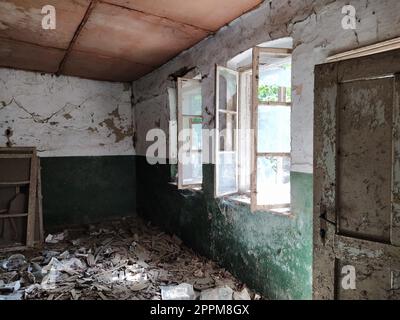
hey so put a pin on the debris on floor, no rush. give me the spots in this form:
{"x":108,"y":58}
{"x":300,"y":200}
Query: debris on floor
{"x":220,"y":293}
{"x":54,"y":238}
{"x":122,"y":259}
{"x":183,"y":291}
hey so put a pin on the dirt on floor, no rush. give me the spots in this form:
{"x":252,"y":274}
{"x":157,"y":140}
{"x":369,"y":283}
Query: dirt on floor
{"x":122,"y":259}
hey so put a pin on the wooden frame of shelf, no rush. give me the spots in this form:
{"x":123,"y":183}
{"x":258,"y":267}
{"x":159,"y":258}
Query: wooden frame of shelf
{"x":34,"y":195}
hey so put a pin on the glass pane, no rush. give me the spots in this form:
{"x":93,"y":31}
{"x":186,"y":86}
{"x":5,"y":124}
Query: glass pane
{"x":226,"y":173}
{"x":275,"y":78}
{"x":227,"y":129}
{"x":227,"y":91}
{"x":273,"y":180}
{"x":192,"y":171}
{"x":191,"y":97}
{"x":193,"y":135}
{"x":273,"y":129}
{"x":196,"y":135}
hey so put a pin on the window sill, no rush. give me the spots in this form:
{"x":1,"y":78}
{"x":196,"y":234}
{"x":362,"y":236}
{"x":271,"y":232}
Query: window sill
{"x":238,"y":198}
{"x":245,"y":200}
{"x":193,"y":189}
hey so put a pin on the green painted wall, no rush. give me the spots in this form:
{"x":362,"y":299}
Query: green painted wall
{"x":87,"y":189}
{"x":271,"y":253}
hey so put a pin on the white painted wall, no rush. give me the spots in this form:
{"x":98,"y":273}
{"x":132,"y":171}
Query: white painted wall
{"x":65,"y":116}
{"x":315,"y":27}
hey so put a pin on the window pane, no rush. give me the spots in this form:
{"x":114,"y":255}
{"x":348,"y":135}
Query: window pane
{"x":192,"y":171}
{"x":227,"y":90}
{"x":194,"y":134}
{"x":191,"y":97}
{"x":227,"y":173}
{"x":273,"y":129}
{"x":273,"y":180}
{"x":275,"y":79}
{"x":227,"y":127}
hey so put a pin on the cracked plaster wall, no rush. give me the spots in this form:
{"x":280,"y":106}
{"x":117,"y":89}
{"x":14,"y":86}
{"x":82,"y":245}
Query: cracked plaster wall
{"x":65,"y":116}
{"x":315,"y":27}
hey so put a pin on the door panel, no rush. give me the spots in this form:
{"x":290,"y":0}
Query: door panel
{"x":365,"y":158}
{"x":357,"y":178}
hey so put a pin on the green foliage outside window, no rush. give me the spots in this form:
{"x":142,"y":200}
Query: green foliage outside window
{"x":271,"y":93}
{"x":268,"y":93}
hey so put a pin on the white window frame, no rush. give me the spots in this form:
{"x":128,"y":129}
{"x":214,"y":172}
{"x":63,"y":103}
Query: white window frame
{"x":244,"y":143}
{"x":180,"y":117}
{"x":217,"y":134}
{"x":254,"y":122}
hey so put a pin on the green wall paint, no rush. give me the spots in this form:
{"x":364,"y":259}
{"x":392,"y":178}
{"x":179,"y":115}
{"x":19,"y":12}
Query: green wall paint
{"x":271,"y":253}
{"x":87,"y":189}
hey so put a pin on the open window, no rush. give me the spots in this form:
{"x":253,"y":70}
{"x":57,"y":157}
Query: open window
{"x":190,"y":123}
{"x":253,"y":111}
{"x":271,"y":109}
{"x":226,"y":142}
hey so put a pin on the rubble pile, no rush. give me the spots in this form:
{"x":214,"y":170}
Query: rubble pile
{"x":122,"y":259}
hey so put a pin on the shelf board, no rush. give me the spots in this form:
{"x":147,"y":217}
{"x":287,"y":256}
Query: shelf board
{"x":15,"y":156}
{"x":14,"y":183}
{"x":13,"y":215}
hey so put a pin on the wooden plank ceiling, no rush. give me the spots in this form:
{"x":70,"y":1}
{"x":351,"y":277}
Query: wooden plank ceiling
{"x":116,"y":40}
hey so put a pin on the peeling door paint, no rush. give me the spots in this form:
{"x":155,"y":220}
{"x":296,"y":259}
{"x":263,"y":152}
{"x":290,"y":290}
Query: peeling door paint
{"x":355,"y":174}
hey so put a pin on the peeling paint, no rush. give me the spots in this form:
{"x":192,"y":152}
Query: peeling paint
{"x":61,"y":115}
{"x":113,"y":124}
{"x":317,"y":34}
{"x":281,"y":266}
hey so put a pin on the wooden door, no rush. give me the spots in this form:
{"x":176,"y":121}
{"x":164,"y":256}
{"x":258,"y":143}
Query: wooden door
{"x":357,"y":178}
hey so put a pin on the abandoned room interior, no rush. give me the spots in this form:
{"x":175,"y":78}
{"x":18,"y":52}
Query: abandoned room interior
{"x":199,"y":149}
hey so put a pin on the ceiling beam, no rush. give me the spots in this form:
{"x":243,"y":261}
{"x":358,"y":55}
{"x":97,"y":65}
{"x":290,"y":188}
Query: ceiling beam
{"x":76,"y":35}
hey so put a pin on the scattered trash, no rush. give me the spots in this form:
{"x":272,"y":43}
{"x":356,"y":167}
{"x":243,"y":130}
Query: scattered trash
{"x":242,"y":295}
{"x":183,"y":291}
{"x":10,"y":287}
{"x":220,"y":293}
{"x":122,"y":259}
{"x":14,"y":262}
{"x":10,"y":291}
{"x":198,"y":273}
{"x":55,"y":238}
{"x":14,"y":296}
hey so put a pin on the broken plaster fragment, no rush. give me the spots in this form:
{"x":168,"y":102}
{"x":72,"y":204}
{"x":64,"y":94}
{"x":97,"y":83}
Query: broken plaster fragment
{"x":220,"y":293}
{"x":55,"y":238}
{"x":183,"y":291}
{"x":14,"y":262}
{"x":241,"y":295}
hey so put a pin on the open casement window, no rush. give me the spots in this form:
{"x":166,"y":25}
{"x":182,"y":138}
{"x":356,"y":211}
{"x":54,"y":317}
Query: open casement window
{"x":226,"y":123}
{"x":190,"y":124}
{"x":271,"y":108}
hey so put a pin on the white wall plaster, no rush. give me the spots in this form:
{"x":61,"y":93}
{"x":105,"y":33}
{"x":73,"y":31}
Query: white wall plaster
{"x":315,"y":27}
{"x":65,"y":116}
